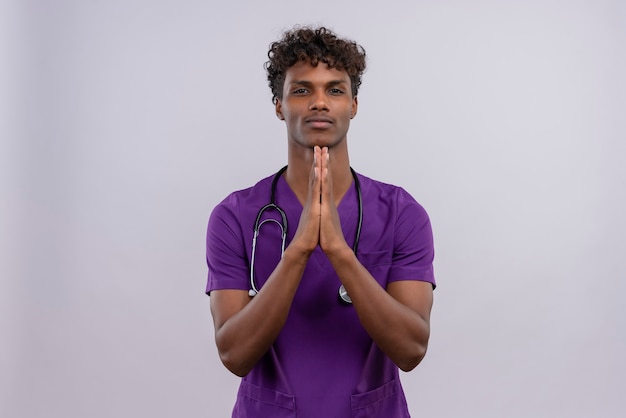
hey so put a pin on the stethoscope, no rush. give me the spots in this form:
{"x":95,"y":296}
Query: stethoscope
{"x":343,"y":294}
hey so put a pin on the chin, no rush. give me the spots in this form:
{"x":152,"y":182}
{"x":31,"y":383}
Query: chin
{"x":320,"y":139}
{"x":325,"y":142}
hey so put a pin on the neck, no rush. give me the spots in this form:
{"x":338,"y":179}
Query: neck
{"x":299,"y":171}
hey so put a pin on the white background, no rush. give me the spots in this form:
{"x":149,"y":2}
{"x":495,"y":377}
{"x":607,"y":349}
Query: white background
{"x":125,"y":122}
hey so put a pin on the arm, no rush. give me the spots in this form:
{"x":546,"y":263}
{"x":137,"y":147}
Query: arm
{"x":246,"y":327}
{"x":398,"y":318}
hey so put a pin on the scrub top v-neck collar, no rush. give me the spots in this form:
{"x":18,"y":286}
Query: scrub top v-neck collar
{"x":347,"y":209}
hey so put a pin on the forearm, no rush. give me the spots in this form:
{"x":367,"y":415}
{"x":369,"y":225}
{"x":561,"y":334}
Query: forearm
{"x":398,"y":325}
{"x":243,"y":338}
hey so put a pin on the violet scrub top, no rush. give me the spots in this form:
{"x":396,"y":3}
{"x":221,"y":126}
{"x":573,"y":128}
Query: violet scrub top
{"x":323,"y":363}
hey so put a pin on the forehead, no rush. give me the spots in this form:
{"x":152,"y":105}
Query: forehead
{"x":321,"y":73}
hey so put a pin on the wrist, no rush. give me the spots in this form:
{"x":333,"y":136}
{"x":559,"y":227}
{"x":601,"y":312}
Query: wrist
{"x":296,"y":254}
{"x":340,"y":254}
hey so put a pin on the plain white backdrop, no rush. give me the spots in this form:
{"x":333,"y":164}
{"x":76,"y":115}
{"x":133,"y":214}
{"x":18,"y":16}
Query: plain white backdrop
{"x":125,"y":122}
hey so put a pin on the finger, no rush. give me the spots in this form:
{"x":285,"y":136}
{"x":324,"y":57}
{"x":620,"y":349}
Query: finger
{"x":307,"y":233}
{"x":317,"y":157}
{"x":319,"y":172}
{"x":326,"y":179}
{"x":315,"y":170}
{"x":331,"y":235}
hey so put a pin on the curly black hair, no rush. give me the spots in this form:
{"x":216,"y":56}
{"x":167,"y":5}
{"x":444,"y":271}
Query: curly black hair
{"x":313,"y":45}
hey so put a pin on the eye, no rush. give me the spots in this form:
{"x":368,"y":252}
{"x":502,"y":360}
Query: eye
{"x":300,"y":90}
{"x":336,"y":91}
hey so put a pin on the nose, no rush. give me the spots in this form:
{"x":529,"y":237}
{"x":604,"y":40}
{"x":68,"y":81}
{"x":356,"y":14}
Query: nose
{"x":318,"y":101}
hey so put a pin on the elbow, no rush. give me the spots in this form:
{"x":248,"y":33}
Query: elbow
{"x":241,"y":372}
{"x":409,"y":364}
{"x":238,"y":368}
{"x":232,"y":358}
{"x":412,"y":360}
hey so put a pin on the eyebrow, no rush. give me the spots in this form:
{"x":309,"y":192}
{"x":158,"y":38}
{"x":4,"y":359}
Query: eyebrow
{"x":307,"y":83}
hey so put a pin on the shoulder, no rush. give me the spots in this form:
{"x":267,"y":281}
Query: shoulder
{"x":236,"y":208}
{"x":390,"y":194}
{"x":244,"y":197}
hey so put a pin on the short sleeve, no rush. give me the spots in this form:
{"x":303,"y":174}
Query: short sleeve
{"x":414,"y":252}
{"x":225,"y":252}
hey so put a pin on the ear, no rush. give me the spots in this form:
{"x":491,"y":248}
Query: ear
{"x":355,"y":106}
{"x":279,"y":112}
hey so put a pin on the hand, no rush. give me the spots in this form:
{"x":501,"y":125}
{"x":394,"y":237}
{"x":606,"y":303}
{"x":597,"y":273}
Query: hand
{"x":307,"y":236}
{"x":331,"y":234}
{"x":319,"y":222}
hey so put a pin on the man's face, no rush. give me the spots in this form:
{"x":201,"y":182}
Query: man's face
{"x":317,"y":105}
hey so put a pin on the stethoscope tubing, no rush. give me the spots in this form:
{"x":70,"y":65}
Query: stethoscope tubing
{"x":283,"y":228}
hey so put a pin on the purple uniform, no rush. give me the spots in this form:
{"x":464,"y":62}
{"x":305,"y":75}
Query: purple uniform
{"x":323,"y":363}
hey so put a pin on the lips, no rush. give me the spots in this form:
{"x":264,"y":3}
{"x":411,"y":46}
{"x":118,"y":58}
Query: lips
{"x":319,"y":122}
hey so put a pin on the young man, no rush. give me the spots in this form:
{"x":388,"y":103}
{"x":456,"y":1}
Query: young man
{"x":320,"y":329}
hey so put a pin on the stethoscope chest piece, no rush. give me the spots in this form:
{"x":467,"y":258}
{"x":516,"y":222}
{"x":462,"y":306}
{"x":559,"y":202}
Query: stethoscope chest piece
{"x":343,"y":295}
